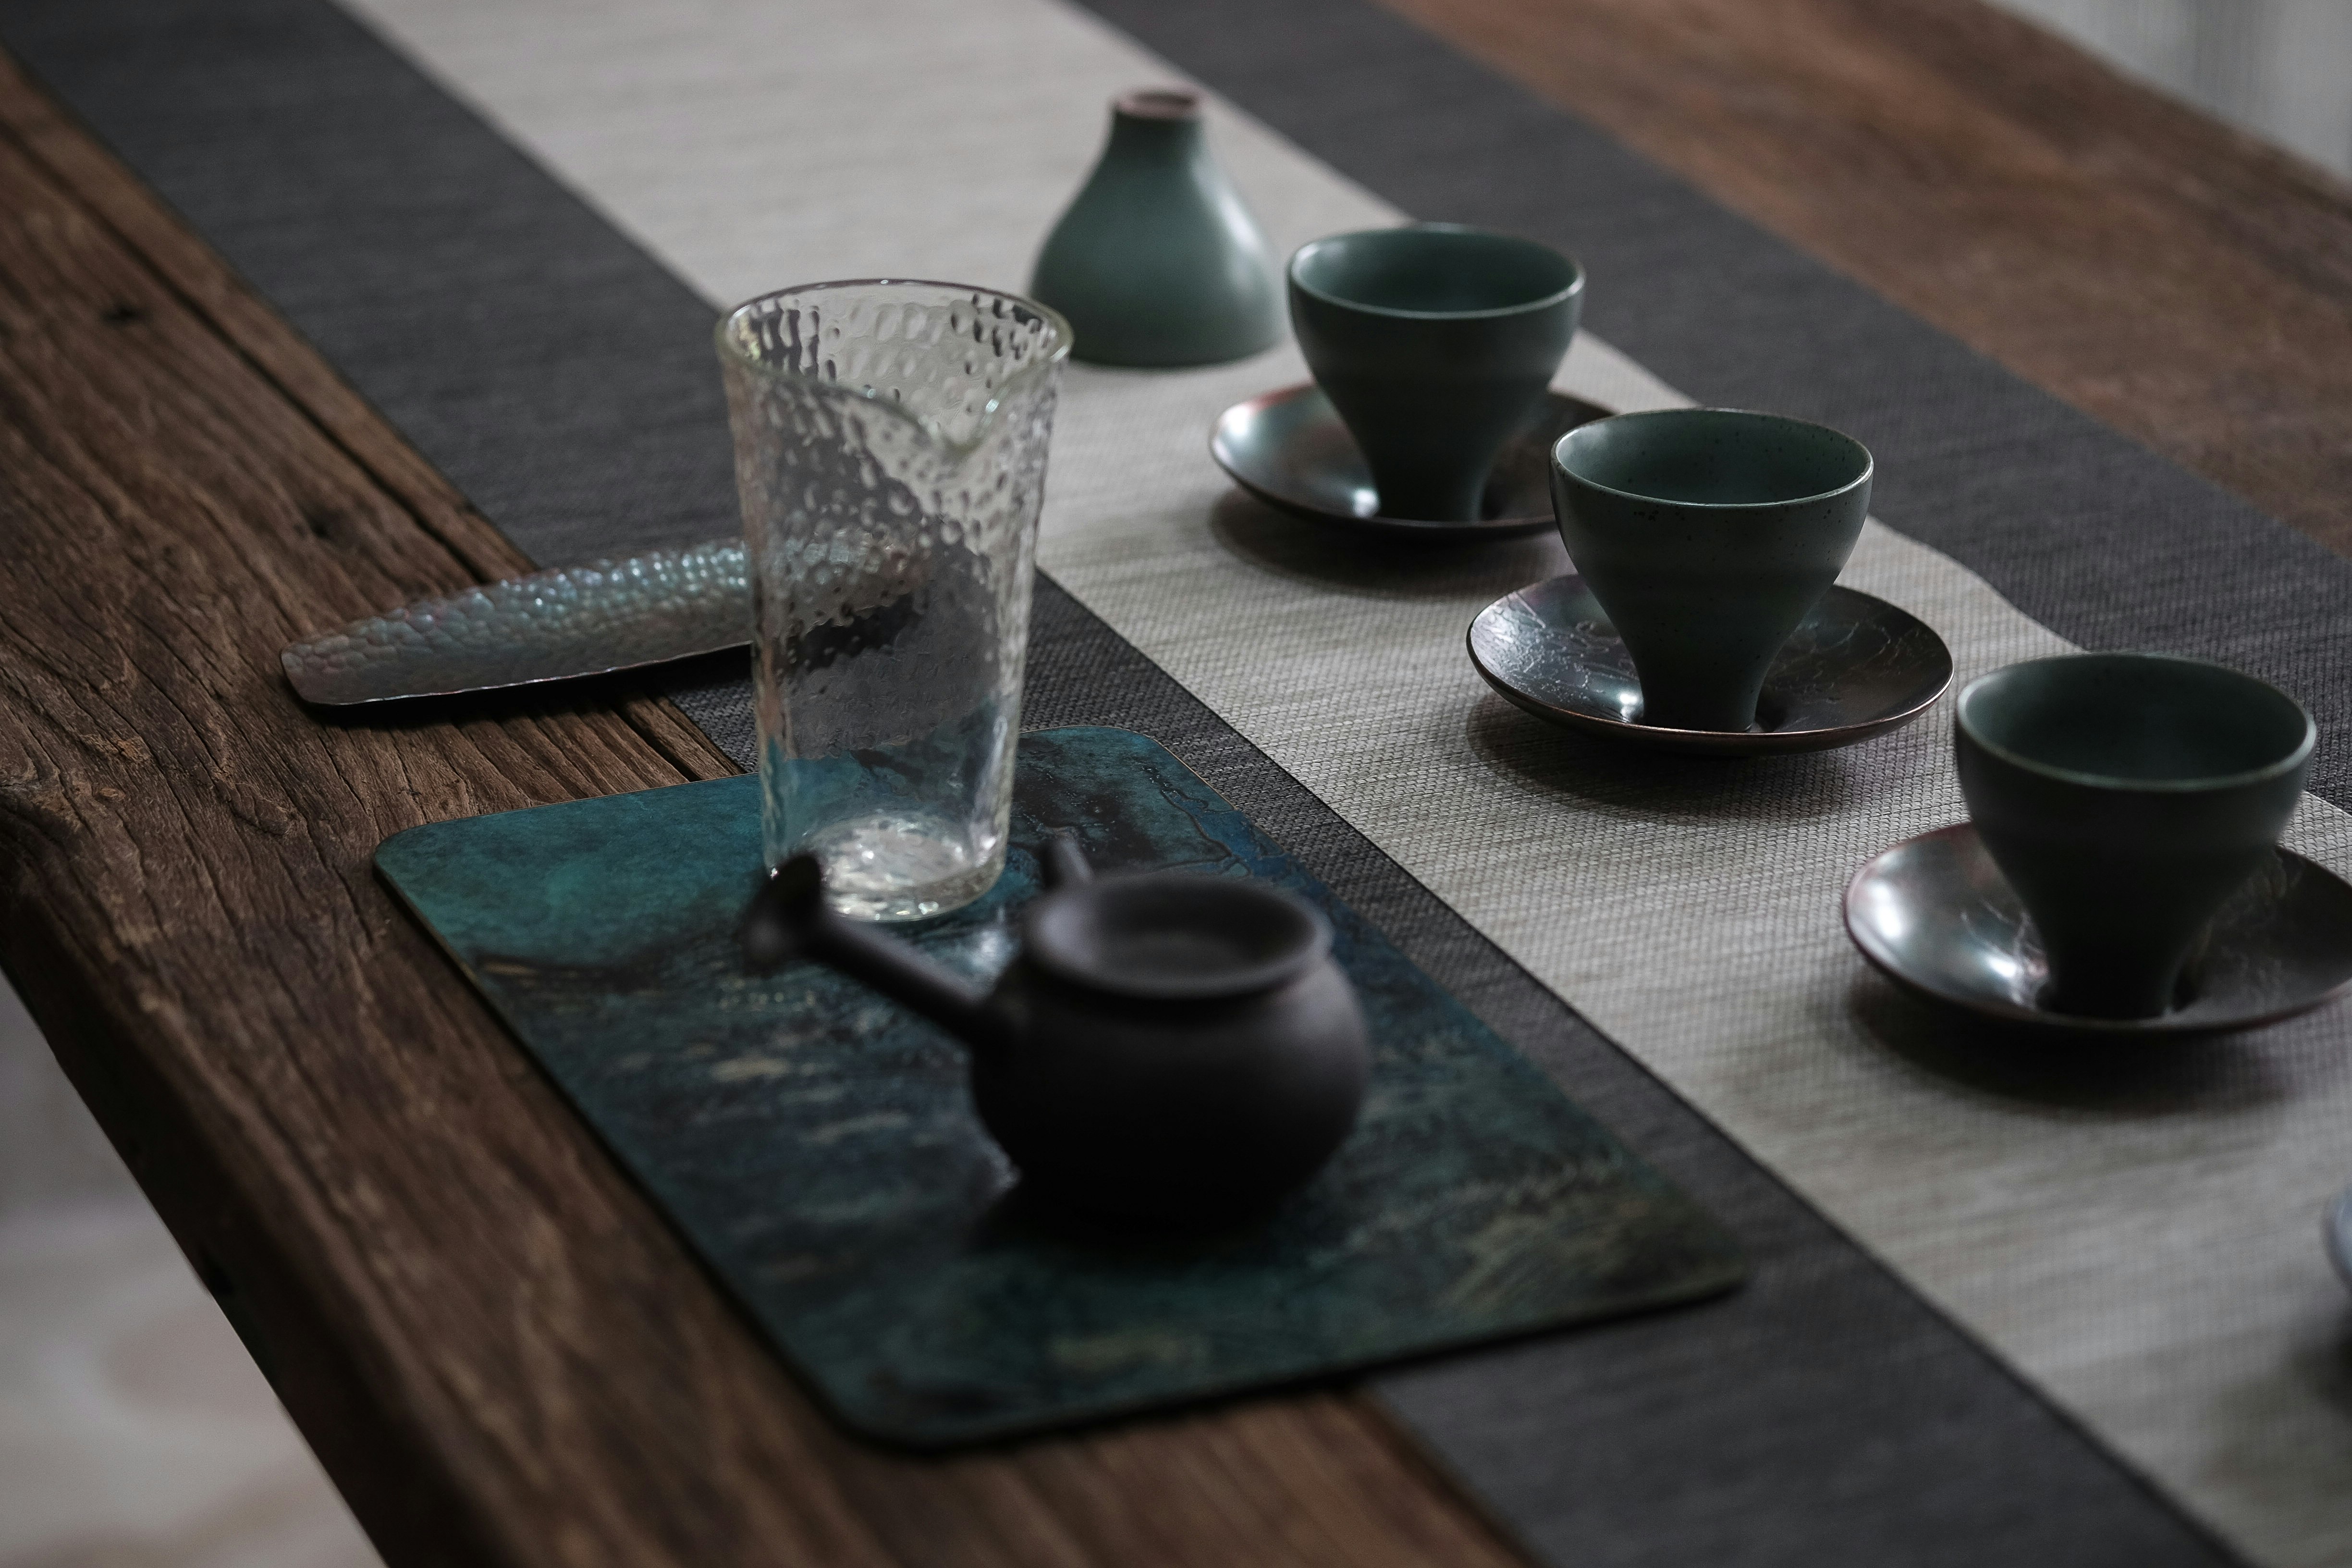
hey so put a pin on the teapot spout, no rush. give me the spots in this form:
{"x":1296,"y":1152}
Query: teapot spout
{"x":1066,"y":861}
{"x":788,"y":920}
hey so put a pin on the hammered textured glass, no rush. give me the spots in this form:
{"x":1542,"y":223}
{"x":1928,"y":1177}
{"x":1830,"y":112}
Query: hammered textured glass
{"x":890,"y":450}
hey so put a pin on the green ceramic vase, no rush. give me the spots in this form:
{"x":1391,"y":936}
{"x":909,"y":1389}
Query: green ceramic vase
{"x":1156,"y":262}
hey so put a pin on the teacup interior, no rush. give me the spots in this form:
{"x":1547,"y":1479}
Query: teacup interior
{"x":2137,"y":718}
{"x":1433,"y":271}
{"x":1175,"y":936}
{"x":1712,"y":456}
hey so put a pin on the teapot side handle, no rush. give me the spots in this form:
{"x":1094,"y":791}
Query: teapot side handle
{"x":788,"y":920}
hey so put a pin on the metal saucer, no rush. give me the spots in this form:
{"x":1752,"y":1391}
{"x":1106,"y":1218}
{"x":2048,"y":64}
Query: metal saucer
{"x":1936,"y":915}
{"x":1289,"y":449}
{"x":1857,"y":666}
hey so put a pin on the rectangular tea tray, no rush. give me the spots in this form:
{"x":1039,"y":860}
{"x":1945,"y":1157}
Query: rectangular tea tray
{"x":816,"y":1145}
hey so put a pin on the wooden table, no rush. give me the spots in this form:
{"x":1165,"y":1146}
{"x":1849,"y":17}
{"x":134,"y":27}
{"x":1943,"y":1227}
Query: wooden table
{"x":500,"y":1350}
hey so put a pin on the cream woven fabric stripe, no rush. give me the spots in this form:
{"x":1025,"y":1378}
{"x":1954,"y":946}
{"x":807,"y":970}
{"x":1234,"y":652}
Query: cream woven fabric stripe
{"x":2146,"y":1251}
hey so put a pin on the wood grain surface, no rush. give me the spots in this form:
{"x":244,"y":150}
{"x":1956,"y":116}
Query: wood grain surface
{"x":2180,"y":280}
{"x":500,"y":1350}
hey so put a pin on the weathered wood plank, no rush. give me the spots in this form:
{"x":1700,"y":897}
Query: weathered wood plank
{"x":2171,"y":276}
{"x":501,"y":1354}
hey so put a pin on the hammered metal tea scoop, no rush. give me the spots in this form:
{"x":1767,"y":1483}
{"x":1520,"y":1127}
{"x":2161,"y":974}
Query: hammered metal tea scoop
{"x":560,"y":624}
{"x":550,"y":625}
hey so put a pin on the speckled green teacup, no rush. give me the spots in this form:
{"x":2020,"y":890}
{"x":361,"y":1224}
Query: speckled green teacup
{"x":2125,"y":795}
{"x":1436,"y":343}
{"x":1706,"y":534}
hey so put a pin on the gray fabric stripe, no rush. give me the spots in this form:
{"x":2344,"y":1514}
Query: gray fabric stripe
{"x":562,"y":379}
{"x":555,"y":373}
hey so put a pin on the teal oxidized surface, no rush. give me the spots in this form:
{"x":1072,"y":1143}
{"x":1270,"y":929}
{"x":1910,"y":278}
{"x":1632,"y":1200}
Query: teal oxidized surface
{"x":816,"y":1145}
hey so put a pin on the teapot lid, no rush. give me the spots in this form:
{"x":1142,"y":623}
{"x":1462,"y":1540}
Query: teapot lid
{"x":1169,"y":936}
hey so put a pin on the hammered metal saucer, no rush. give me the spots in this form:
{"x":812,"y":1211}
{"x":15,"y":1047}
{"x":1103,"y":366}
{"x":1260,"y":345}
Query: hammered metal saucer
{"x":1936,"y":915}
{"x":1289,"y":449}
{"x":1857,"y":666}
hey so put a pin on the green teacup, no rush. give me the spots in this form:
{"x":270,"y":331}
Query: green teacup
{"x":1434,"y":342}
{"x":2125,"y":796}
{"x":1707,"y":534}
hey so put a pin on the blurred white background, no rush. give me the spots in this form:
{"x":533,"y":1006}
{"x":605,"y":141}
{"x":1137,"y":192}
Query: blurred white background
{"x":134,"y":1430}
{"x":2281,"y":68}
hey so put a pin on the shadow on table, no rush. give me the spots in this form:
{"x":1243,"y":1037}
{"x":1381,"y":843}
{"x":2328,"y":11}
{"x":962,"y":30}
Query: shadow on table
{"x":1328,"y":555}
{"x":2328,"y":1364}
{"x":2140,"y":1077}
{"x":1630,"y":783}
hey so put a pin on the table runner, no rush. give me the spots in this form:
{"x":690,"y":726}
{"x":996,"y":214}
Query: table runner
{"x":1930,"y":1155}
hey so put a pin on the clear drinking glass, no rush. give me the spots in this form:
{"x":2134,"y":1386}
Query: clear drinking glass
{"x":890,"y":450}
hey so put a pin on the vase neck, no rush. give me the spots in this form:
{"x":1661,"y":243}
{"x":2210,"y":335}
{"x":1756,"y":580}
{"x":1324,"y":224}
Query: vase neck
{"x":1156,"y":122}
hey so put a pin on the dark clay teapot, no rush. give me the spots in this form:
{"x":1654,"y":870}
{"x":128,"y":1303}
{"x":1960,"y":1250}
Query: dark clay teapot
{"x":1167,"y":1046}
